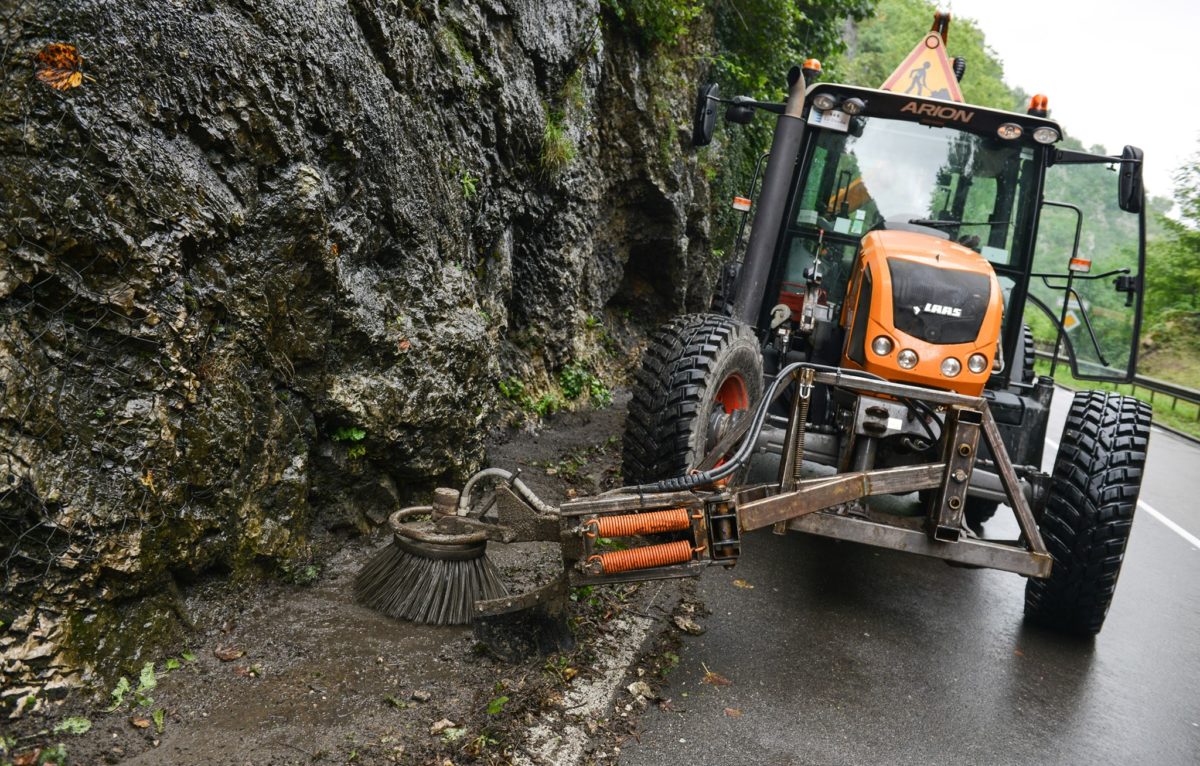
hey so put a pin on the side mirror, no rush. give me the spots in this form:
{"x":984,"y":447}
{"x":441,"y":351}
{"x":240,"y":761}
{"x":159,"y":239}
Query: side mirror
{"x":1129,"y":185}
{"x":705,"y":118}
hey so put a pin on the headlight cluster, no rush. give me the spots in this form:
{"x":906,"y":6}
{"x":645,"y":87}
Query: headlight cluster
{"x":824,"y":102}
{"x":908,"y":359}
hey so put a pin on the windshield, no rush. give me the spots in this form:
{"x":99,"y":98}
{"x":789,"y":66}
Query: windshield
{"x":885,"y":173}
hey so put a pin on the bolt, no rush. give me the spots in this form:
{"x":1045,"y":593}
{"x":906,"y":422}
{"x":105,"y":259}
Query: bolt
{"x":960,"y":475}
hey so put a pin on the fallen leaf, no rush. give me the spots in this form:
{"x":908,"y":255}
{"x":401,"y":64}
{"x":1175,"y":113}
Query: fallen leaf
{"x":27,"y":758}
{"x":228,"y":653}
{"x":441,"y":726}
{"x":714,"y":679}
{"x":1018,"y":652}
{"x":732,"y":712}
{"x":405,"y":344}
{"x":60,"y":66}
{"x":141,"y":723}
{"x":687,"y":625}
{"x":743,"y":584}
{"x":421,"y":696}
{"x":569,"y":673}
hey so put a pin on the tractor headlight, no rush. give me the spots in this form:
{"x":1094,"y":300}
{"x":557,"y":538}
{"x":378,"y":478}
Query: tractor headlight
{"x":855,"y":106}
{"x":951,"y":367}
{"x":823,"y":102}
{"x":1009,"y":131}
{"x":907,"y":359}
{"x":882,"y":346}
{"x":976,"y":363}
{"x":1044,"y":135}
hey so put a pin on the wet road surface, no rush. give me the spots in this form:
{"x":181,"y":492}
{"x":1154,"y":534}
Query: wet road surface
{"x":842,"y":654}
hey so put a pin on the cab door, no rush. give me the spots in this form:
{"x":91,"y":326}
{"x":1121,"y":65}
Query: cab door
{"x":1085,"y":291}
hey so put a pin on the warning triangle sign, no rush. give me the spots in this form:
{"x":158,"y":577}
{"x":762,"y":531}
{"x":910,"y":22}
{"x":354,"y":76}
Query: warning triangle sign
{"x":926,"y":72}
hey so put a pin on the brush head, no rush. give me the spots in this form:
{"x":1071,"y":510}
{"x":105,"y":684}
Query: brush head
{"x":430,"y":583}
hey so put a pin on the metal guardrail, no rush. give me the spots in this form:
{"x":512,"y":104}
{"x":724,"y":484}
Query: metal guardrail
{"x":1175,"y":391}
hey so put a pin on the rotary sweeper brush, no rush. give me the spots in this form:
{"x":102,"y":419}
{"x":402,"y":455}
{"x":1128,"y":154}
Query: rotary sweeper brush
{"x":871,"y":337}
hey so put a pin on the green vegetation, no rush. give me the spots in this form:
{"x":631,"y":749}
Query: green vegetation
{"x":558,"y":148}
{"x":576,"y":380}
{"x":497,"y":705}
{"x":1180,"y":416}
{"x":468,"y":182}
{"x":352,"y":437}
{"x":513,"y":389}
{"x":73,"y":725}
{"x":660,"y":22}
{"x":118,"y":694}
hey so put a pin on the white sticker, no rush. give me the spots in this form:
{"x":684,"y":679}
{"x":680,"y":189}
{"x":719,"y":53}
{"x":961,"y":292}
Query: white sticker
{"x":841,"y":225}
{"x":997,"y":254}
{"x":834,"y":119}
{"x":895,"y":424}
{"x":807,"y":216}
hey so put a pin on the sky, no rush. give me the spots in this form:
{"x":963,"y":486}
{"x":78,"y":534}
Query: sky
{"x":1115,"y":73}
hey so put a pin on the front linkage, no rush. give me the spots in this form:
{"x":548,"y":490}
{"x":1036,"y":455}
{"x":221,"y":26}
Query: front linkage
{"x":705,"y":513}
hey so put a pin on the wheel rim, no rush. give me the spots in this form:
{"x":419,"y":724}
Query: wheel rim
{"x":733,"y":395}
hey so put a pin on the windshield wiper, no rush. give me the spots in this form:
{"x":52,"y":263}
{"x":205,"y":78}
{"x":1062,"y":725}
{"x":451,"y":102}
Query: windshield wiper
{"x":950,"y":224}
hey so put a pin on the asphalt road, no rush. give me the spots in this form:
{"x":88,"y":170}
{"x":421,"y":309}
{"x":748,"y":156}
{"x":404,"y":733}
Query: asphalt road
{"x":845,"y":654}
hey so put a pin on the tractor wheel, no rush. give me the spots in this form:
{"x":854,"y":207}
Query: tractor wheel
{"x":694,"y":368}
{"x":1089,"y":510}
{"x":1027,"y":356}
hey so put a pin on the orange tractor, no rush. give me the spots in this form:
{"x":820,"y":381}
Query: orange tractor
{"x":873,"y":337}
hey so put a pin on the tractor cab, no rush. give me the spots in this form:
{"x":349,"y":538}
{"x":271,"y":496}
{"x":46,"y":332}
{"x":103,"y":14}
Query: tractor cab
{"x":1059,"y":232}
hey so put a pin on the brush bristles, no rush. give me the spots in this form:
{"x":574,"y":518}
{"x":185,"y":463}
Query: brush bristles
{"x":426,"y":590}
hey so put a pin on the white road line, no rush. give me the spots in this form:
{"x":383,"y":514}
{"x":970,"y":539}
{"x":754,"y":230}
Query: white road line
{"x":1186,"y":535}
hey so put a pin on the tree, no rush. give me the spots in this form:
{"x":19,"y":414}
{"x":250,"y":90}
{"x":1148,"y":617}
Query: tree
{"x":1173,"y":260}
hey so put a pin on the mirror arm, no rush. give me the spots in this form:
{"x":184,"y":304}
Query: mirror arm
{"x":766,"y":106}
{"x":1072,"y":157}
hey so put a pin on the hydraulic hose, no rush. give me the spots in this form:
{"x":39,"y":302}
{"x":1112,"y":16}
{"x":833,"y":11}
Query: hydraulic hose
{"x":746,"y":448}
{"x":464,"y":499}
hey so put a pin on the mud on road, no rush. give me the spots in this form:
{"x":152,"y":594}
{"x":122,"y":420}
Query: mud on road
{"x":289,"y":674}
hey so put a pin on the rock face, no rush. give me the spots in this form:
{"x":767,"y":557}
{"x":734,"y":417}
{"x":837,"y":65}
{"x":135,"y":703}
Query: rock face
{"x":270,"y":259}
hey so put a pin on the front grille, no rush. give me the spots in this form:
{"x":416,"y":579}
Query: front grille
{"x":920,"y":293}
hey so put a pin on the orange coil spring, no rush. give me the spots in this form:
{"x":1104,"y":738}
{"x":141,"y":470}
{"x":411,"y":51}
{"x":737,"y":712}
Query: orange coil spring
{"x":630,"y":524}
{"x":647,"y":557}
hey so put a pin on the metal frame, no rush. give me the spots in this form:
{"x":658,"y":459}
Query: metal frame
{"x":806,"y":505}
{"x":828,"y":506}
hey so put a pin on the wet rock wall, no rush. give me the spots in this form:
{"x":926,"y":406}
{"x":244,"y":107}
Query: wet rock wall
{"x":268,"y":262}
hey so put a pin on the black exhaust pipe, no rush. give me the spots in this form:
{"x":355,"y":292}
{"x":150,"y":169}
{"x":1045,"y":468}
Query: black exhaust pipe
{"x":772,"y":203}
